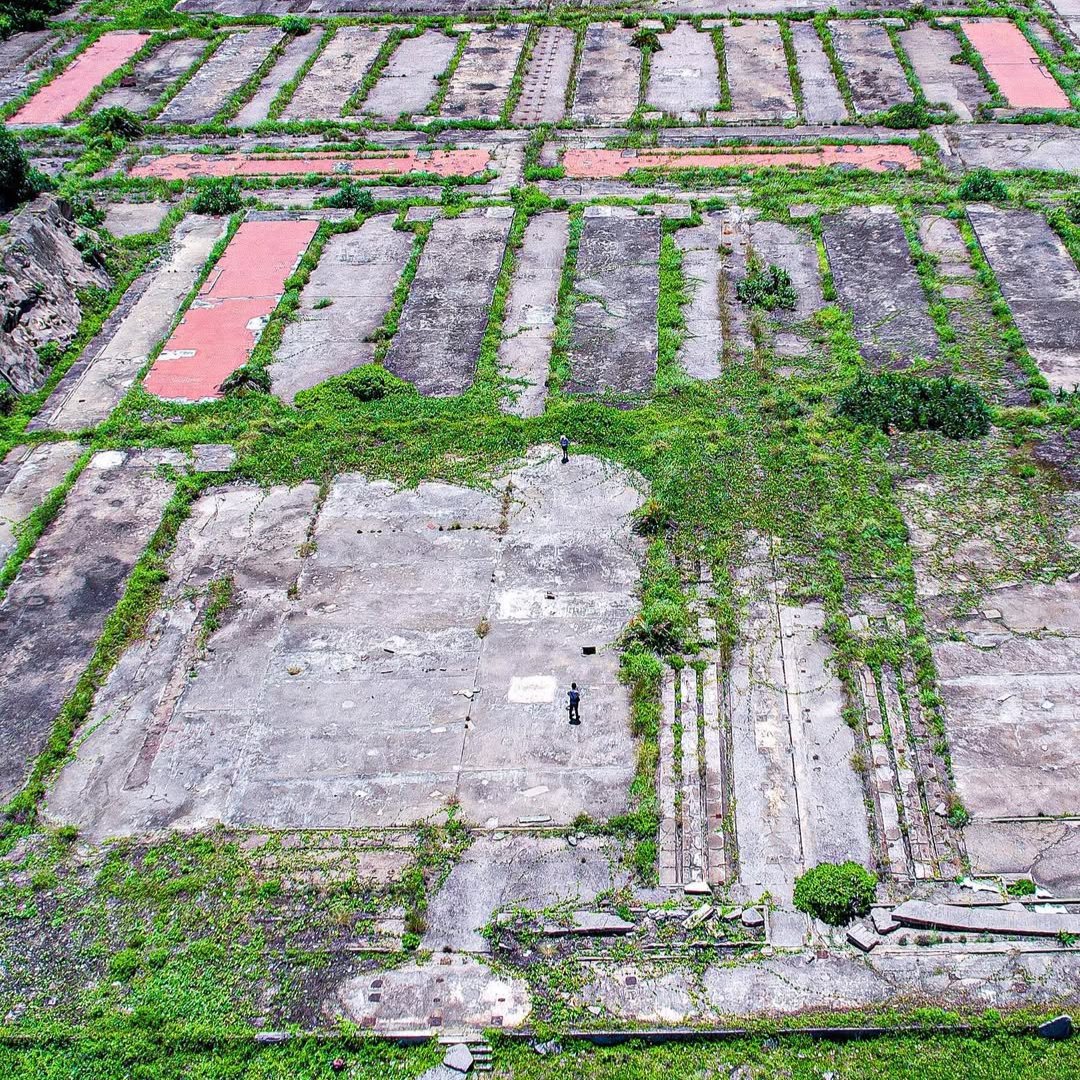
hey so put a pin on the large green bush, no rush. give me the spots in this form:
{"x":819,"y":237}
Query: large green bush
{"x":18,"y":181}
{"x":910,"y":403}
{"x":981,"y":185}
{"x":219,"y":197}
{"x":835,"y":893}
{"x":767,"y":287}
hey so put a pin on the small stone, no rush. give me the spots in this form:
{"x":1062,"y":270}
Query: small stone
{"x":883,"y":921}
{"x":498,"y":836}
{"x":548,"y":1049}
{"x":572,"y":840}
{"x":269,"y":1038}
{"x":459,"y":1058}
{"x":862,"y":937}
{"x":697,"y":888}
{"x":595,"y":1010}
{"x":1061,"y":1027}
{"x":753,"y":918}
{"x":698,"y":917}
{"x":733,"y":915}
{"x":941,"y":810}
{"x":991,"y":613}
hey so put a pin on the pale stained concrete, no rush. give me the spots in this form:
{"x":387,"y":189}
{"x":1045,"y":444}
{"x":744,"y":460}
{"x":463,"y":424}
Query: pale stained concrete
{"x":152,"y":76}
{"x":54,"y":611}
{"x":358,"y":273}
{"x":684,"y":77}
{"x":94,"y":385}
{"x":134,"y":219}
{"x":409,"y":81}
{"x":1012,"y":146}
{"x":757,"y":72}
{"x":943,"y":82}
{"x":292,"y":59}
{"x":529,"y":322}
{"x":533,"y":872}
{"x":870,"y":62}
{"x":543,"y":90}
{"x":822,"y":101}
{"x":352,"y":687}
{"x":608,"y":76}
{"x":27,"y":475}
{"x":336,"y":74}
{"x":482,"y":78}
{"x":703,"y":342}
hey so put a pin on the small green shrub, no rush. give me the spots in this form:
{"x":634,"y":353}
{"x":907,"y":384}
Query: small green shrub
{"x":351,"y":196}
{"x":246,"y":380}
{"x":1072,"y":207}
{"x":890,"y":399}
{"x":651,"y":518}
{"x":295,"y":25}
{"x":981,"y":185}
{"x":835,"y":893}
{"x":18,"y":181}
{"x":124,"y":964}
{"x":221,"y":196}
{"x":371,"y":382}
{"x":907,"y":114}
{"x":1021,"y":887}
{"x":115,"y":120}
{"x":647,"y":39}
{"x":767,"y":287}
{"x":958,"y":815}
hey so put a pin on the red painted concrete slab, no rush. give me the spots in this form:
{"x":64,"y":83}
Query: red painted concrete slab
{"x":604,"y":164}
{"x":1014,"y":65}
{"x":223,"y":324}
{"x":73,"y":85}
{"x":196,"y":166}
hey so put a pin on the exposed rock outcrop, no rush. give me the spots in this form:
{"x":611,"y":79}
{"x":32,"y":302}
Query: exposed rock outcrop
{"x":41,"y":271}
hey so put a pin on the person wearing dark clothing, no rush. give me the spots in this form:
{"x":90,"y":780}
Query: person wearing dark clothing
{"x":575,"y":703}
{"x":564,"y":442}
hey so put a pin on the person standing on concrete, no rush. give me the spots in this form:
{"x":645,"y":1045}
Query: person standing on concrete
{"x":564,"y":442}
{"x":574,"y":696}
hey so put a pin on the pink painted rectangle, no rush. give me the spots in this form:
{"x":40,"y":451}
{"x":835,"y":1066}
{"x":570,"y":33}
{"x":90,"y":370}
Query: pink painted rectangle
{"x":221,"y":328}
{"x":73,"y":85}
{"x":1014,"y":65}
{"x":197,"y":166}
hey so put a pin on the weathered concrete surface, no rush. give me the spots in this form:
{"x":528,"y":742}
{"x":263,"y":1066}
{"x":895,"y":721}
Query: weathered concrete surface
{"x":221,"y":327}
{"x":943,"y":81}
{"x":27,"y":475}
{"x":482,"y":78}
{"x":94,"y":385}
{"x":134,"y":219}
{"x":543,"y":90}
{"x":822,"y":101}
{"x":614,"y":342}
{"x":757,"y":71}
{"x":54,"y":611}
{"x":985,"y":919}
{"x":876,"y":281}
{"x":529,"y":321}
{"x":870,"y":62}
{"x":292,"y":59}
{"x":73,"y":85}
{"x":609,"y":75}
{"x":703,"y":342}
{"x":153,"y":76}
{"x":351,"y":688}
{"x":445,"y":994}
{"x":234,"y":61}
{"x":533,"y":872}
{"x":1069,"y":13}
{"x":410,"y":79}
{"x":1041,"y":285}
{"x":336,"y":75}
{"x":358,"y":272}
{"x":1014,"y":65}
{"x":793,"y":250}
{"x":1011,"y":688}
{"x":41,"y":271}
{"x":1013,"y":146}
{"x":684,"y":77}
{"x":442,"y":324}
{"x":1047,"y":850}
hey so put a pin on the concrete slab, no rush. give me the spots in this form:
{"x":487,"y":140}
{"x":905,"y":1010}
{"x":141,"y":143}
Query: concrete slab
{"x":1014,"y":146}
{"x":611,"y":163}
{"x":396,"y":163}
{"x":869,"y":60}
{"x":614,"y":339}
{"x":54,"y":611}
{"x":135,"y":219}
{"x":876,"y":281}
{"x":757,"y":71}
{"x":153,"y":76}
{"x":336,"y":75}
{"x":409,"y":81}
{"x":609,"y":75}
{"x":445,"y":316}
{"x":943,"y":81}
{"x":684,"y":77}
{"x":1014,"y":65}
{"x":72,"y":86}
{"x":1048,"y":851}
{"x":985,"y":919}
{"x":27,"y":475}
{"x":481,"y":80}
{"x":529,"y":320}
{"x":357,"y":273}
{"x":518,"y":871}
{"x":293,"y":57}
{"x":447,"y":993}
{"x":703,"y":343}
{"x":95,"y":384}
{"x":793,"y":250}
{"x":234,"y":61}
{"x":543,"y":90}
{"x":1041,"y":285}
{"x":822,"y":101}
{"x":223,"y":324}
{"x":351,"y":687}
